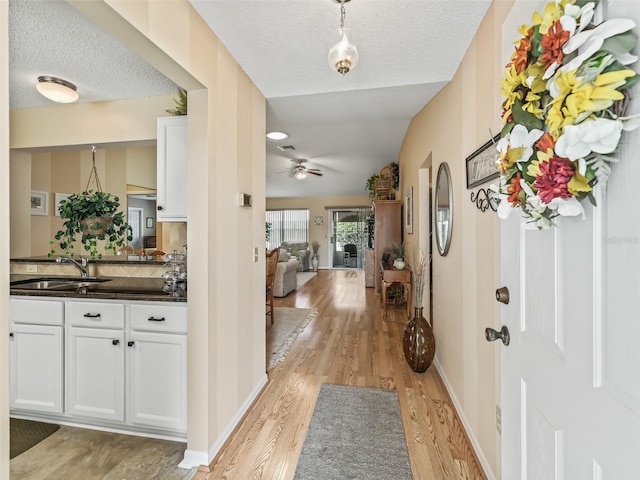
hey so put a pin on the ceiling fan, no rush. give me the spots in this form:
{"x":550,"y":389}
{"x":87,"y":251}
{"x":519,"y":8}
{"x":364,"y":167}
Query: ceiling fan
{"x":299,"y":171}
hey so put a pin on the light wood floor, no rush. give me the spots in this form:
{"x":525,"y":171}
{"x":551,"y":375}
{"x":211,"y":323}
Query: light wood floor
{"x":347,"y":344}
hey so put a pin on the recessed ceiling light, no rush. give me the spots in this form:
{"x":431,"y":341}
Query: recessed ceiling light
{"x":277,"y":135}
{"x":57,"y":89}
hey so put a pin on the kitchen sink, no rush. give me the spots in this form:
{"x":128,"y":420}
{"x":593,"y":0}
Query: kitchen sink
{"x":69,"y":283}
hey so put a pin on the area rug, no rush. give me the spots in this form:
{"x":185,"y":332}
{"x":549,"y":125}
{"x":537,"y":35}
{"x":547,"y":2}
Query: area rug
{"x":304,"y":277}
{"x":24,"y":434}
{"x":355,"y":433}
{"x":287,"y":324}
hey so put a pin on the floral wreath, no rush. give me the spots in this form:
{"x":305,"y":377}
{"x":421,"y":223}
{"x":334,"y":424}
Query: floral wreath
{"x":566,"y":91}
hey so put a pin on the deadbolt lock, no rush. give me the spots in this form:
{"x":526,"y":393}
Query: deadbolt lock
{"x":502,"y":295}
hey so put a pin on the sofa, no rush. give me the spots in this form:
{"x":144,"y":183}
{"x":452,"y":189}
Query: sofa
{"x":286,"y":280}
{"x":299,"y":250}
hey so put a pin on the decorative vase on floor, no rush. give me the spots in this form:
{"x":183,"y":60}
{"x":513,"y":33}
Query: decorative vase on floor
{"x":315,"y":261}
{"x":418,"y":343}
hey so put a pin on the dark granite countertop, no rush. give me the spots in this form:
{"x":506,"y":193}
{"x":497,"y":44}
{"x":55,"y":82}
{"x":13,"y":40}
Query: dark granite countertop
{"x":106,"y":260}
{"x":115,"y":288}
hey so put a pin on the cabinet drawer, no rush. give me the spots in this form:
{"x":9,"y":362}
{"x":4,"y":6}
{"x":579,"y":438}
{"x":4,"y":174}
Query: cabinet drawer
{"x":37,"y":312}
{"x":159,"y":318}
{"x":100,"y":315}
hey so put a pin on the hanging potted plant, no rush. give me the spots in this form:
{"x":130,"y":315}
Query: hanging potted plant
{"x":91,"y":216}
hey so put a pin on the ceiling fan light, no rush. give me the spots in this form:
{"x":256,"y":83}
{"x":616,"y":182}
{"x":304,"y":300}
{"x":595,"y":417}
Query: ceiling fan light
{"x":343,"y":56}
{"x":57,"y":89}
{"x":300,"y":174}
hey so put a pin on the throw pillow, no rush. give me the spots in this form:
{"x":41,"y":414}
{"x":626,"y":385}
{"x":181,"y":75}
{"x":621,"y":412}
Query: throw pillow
{"x":283,"y":256}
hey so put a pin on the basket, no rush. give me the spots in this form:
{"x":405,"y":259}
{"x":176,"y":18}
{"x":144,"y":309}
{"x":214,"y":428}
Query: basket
{"x":95,"y":226}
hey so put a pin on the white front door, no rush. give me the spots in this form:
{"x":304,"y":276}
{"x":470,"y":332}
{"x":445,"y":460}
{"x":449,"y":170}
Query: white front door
{"x":571,"y":374}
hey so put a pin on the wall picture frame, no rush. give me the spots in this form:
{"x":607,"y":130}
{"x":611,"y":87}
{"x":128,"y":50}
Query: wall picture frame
{"x":58,"y":198}
{"x":39,"y":203}
{"x":481,"y":164}
{"x":408,"y":211}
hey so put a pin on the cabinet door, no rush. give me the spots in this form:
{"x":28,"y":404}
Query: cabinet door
{"x":36,"y":368}
{"x":172,"y":169}
{"x":157,"y":380}
{"x":95,"y":373}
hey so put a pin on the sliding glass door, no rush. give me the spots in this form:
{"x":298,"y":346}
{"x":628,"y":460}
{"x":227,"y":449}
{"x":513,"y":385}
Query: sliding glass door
{"x":348,"y":237}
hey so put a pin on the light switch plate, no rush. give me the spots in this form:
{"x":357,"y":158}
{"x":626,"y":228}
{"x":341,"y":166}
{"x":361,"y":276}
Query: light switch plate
{"x":255,"y":255}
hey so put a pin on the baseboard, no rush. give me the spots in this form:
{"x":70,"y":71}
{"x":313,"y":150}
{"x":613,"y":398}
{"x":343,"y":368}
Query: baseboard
{"x":465,"y":423}
{"x":193,"y":458}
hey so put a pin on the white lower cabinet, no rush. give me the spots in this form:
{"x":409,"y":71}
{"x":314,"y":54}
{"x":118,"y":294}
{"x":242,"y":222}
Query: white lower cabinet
{"x":157,"y":366}
{"x":126,"y":363}
{"x":157,"y":381}
{"x":95,"y":373}
{"x":36,"y":355}
{"x":36,"y":368}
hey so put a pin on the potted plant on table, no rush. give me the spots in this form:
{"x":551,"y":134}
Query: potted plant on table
{"x":92,"y":216}
{"x":397,"y":249}
{"x":315,"y":259}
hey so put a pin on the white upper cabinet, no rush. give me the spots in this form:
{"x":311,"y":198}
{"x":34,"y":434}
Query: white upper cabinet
{"x":172,"y":169}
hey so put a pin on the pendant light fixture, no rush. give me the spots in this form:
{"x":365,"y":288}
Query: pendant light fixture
{"x":343,"y":56}
{"x":57,"y":89}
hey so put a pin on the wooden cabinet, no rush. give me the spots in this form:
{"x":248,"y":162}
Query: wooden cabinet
{"x":387,"y":229}
{"x":157,"y":367}
{"x":172,"y":169}
{"x":36,"y":356}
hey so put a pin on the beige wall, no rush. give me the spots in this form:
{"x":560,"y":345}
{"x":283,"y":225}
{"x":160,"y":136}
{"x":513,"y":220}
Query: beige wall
{"x":318,"y":207}
{"x":226,"y":354}
{"x":4,"y":240}
{"x":67,"y":171}
{"x":456,"y":122}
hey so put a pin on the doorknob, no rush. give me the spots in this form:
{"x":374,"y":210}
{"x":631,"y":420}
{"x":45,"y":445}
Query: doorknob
{"x":502,"y":295}
{"x":492,"y":335}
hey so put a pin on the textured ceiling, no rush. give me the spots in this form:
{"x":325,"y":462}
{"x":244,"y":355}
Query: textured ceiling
{"x":49,"y":37}
{"x":352,"y":126}
{"x":349,"y":127}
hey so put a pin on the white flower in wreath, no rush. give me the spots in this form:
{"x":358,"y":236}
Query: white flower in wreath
{"x":518,"y":144}
{"x":600,"y":135}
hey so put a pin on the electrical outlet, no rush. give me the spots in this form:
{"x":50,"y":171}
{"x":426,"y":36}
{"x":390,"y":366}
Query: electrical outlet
{"x":498,"y":419}
{"x":32,"y":268}
{"x":255,"y":255}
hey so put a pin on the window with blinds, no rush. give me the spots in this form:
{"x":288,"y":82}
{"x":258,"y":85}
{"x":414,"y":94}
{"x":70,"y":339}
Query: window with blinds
{"x":290,"y":225}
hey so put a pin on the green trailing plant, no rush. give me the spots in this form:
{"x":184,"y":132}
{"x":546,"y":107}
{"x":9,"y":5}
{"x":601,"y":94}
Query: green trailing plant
{"x":91,"y":216}
{"x":371,"y":185}
{"x":181,"y":104}
{"x":398,"y":250}
{"x":267,"y":231}
{"x":395,"y":175}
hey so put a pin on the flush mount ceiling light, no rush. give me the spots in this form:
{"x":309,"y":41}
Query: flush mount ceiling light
{"x":343,"y":56}
{"x":277,"y":135}
{"x":57,"y":90}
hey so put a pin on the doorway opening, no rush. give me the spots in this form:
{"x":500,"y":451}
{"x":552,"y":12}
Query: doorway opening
{"x":348,"y":228}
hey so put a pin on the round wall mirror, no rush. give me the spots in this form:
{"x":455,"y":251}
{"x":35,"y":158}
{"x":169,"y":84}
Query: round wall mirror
{"x":444,"y":209}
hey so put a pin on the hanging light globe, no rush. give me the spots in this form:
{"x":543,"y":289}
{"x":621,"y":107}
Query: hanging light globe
{"x":343,"y":56}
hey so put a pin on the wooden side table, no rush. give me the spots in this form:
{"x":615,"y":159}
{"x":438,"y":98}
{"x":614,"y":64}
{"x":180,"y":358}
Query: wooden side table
{"x":391,"y":275}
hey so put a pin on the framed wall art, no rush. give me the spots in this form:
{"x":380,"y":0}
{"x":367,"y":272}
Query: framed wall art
{"x":481,"y":164}
{"x":39,"y":203}
{"x":58,"y":198}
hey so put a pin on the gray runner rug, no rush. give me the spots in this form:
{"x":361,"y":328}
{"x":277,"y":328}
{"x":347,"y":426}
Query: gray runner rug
{"x":355,"y":433}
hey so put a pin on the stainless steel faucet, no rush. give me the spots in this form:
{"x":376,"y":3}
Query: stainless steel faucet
{"x":83,"y":265}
